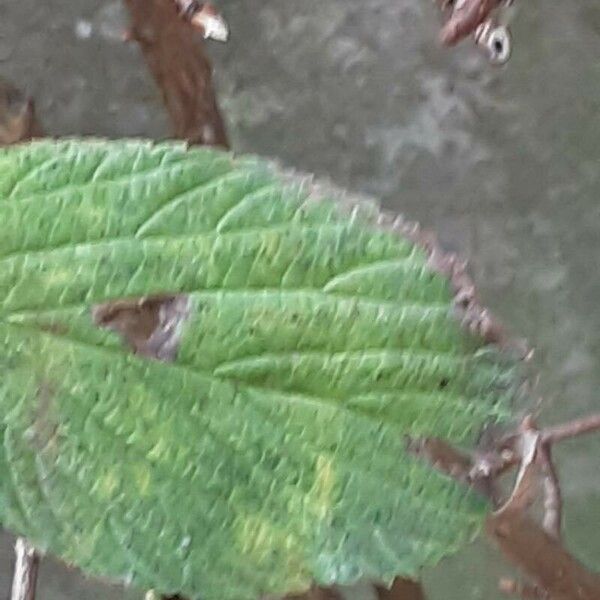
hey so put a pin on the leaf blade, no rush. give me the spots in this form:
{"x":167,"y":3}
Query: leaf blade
{"x":271,"y":451}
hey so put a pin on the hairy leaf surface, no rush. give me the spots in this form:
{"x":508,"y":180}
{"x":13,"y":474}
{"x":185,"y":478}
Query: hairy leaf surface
{"x":271,"y":451}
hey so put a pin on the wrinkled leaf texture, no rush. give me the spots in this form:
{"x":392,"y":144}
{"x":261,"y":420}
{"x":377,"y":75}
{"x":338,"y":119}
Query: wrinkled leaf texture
{"x":271,"y":452}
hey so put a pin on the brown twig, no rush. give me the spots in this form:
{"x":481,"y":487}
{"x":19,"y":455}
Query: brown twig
{"x":466,"y":17}
{"x":542,"y":557}
{"x":590,"y":424}
{"x":442,"y":456}
{"x":477,"y":19}
{"x":176,"y":57}
{"x":536,"y":550}
{"x":540,"y":457}
{"x":551,"y":485}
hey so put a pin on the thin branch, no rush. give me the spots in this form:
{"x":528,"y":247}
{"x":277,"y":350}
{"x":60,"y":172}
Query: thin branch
{"x":460,"y":466}
{"x":551,"y":485}
{"x":477,"y":19}
{"x":539,"y":456}
{"x":26,"y":571}
{"x":524,"y":490}
{"x":466,"y":17}
{"x":590,"y":424}
{"x":535,"y":550}
{"x":442,"y":456}
{"x":542,"y":557}
{"x":529,"y":446}
{"x":176,"y":58}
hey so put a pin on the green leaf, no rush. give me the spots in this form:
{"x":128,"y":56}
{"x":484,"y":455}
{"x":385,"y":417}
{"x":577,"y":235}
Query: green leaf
{"x":271,"y":451}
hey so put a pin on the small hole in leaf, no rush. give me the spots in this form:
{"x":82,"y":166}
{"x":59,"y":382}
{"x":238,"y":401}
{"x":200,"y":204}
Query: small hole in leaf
{"x":444,"y":383}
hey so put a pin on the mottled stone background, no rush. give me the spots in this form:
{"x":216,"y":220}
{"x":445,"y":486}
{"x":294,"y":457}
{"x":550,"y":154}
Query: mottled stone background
{"x":504,"y":164}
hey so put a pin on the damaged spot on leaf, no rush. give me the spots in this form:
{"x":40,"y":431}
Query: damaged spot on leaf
{"x":150,"y":326}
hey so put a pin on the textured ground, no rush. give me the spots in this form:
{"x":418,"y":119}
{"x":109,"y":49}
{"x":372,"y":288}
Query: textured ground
{"x":503,"y":164}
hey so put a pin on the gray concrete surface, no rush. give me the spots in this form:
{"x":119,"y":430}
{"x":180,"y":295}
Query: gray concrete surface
{"x":504,"y":164}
